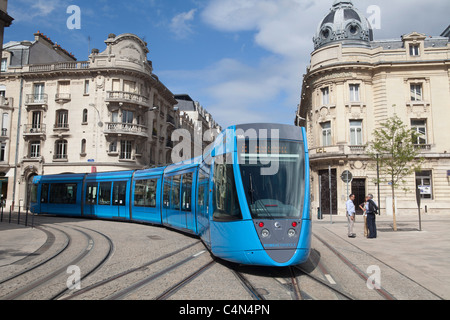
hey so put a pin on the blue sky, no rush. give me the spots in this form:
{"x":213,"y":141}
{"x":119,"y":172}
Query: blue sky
{"x":243,"y":60}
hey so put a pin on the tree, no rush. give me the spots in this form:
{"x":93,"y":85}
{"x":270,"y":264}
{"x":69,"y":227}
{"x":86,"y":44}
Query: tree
{"x":393,"y":146}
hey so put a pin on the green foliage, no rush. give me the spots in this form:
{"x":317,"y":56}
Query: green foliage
{"x":397,"y":154}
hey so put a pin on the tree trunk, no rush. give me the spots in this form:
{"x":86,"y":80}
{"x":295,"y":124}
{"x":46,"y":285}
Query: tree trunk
{"x":393,"y":207}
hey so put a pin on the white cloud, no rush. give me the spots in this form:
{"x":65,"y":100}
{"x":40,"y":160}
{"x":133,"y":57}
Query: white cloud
{"x":268,"y":89}
{"x":181,"y":25}
{"x":281,"y":26}
{"x":26,"y":10}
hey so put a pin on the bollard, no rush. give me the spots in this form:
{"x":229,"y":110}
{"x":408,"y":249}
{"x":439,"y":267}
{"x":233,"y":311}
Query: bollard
{"x":32,"y":220}
{"x":9,"y":221}
{"x":18,"y":216}
{"x":2,"y":214}
{"x":26,"y":218}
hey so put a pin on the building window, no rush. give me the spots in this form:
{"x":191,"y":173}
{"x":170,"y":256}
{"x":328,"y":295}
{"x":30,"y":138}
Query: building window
{"x":36,"y":120}
{"x":113,"y":147}
{"x":85,"y":116}
{"x":414,"y":50}
{"x":420,"y":127}
{"x":62,"y":117}
{"x":325,"y":96}
{"x":354,"y":93}
{"x":326,"y":134}
{"x":127,"y":116}
{"x":416,"y":92}
{"x":423,"y":181}
{"x":125,"y":150}
{"x":5,"y":124}
{"x":83,"y":147}
{"x":3,"y":152}
{"x":86,"y":87}
{"x":38,"y":92}
{"x":115,"y":117}
{"x":356,"y":132}
{"x":60,"y":150}
{"x":4,"y":65}
{"x":35,"y":149}
{"x":63,"y":89}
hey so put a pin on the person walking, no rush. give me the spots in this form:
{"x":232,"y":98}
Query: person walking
{"x":351,"y":213}
{"x":371,"y":210}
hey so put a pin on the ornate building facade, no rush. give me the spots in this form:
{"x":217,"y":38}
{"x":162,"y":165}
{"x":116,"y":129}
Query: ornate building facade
{"x":60,"y":115}
{"x":353,"y":84}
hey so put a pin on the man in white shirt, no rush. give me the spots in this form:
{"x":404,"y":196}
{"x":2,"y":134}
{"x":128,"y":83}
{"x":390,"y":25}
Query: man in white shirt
{"x":351,"y":212}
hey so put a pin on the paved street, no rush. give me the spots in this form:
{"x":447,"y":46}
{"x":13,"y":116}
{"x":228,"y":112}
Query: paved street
{"x":133,"y":261}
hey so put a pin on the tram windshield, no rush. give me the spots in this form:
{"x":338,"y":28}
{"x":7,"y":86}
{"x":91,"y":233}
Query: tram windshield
{"x":273,"y":177}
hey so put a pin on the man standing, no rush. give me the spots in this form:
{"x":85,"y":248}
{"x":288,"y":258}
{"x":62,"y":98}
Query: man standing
{"x":351,"y":212}
{"x":371,"y":210}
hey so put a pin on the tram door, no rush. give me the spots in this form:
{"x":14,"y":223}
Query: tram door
{"x":119,"y":199}
{"x":324,"y":190}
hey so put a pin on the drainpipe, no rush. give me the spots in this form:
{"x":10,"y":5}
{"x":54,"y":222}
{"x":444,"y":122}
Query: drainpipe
{"x":17,"y":143}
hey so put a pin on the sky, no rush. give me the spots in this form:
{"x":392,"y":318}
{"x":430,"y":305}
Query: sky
{"x":243,"y":60}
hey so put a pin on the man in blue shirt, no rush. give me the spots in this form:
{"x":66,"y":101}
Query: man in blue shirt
{"x":351,"y":212}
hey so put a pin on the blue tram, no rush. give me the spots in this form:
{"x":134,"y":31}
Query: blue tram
{"x":247,"y":197}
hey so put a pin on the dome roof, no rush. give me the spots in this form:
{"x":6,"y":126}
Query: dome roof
{"x":344,"y":24}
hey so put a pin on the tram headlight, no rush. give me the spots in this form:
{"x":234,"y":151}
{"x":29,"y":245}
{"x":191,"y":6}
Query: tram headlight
{"x":265,"y":233}
{"x":291,"y":233}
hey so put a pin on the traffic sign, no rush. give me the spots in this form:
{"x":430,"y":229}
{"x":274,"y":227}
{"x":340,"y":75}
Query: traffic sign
{"x":347,"y":176}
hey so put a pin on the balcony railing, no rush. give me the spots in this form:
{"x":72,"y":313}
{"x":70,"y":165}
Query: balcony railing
{"x":34,"y":129}
{"x":63,"y":97}
{"x":122,"y":96}
{"x":69,"y":65}
{"x":170,"y":120}
{"x":422,"y":147}
{"x":36,"y":99}
{"x":126,"y":128}
{"x":61,"y":126}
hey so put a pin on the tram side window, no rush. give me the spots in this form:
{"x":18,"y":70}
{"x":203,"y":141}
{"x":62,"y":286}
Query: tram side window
{"x":225,"y":200}
{"x":186,"y":192}
{"x":119,"y":193}
{"x":175,"y":198}
{"x":44,"y":192}
{"x":104,"y":194}
{"x":63,"y":193}
{"x":34,"y":193}
{"x":203,"y":181}
{"x":166,"y":193}
{"x":145,"y":193}
{"x":91,"y":193}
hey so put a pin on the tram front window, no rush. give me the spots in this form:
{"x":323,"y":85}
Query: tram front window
{"x":279,"y":194}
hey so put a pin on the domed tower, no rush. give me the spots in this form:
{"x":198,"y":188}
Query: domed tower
{"x":344,"y":24}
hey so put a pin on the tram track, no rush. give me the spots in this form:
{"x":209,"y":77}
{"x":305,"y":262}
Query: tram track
{"x":48,"y":278}
{"x":119,"y":278}
{"x":40,"y":276}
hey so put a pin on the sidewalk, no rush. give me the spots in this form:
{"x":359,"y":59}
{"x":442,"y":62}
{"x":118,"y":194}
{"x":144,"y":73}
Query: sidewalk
{"x":423,"y":256}
{"x":18,"y":241}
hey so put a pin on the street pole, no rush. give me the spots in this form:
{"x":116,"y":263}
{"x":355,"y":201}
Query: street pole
{"x":419,"y":198}
{"x":331,"y":202}
{"x":378,"y":184}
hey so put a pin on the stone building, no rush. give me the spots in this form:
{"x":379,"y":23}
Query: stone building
{"x":353,"y":84}
{"x":205,"y":128}
{"x":60,"y":115}
{"x":5,"y":20}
